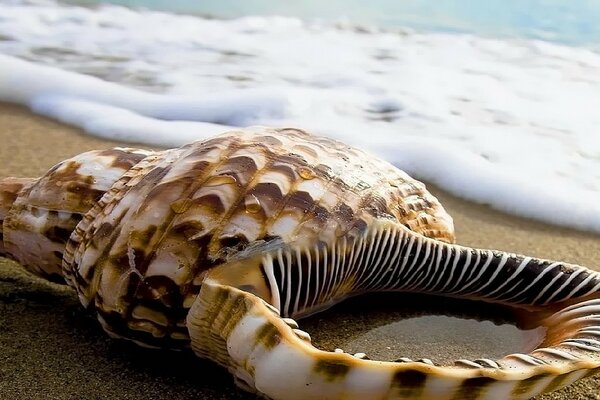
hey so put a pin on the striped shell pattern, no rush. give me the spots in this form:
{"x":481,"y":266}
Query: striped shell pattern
{"x":220,"y":245}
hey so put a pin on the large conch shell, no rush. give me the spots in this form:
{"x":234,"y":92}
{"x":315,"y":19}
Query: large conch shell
{"x":220,"y":244}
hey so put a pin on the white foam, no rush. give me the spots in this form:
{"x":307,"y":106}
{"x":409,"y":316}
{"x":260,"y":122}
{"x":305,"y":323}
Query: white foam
{"x":512,"y":123}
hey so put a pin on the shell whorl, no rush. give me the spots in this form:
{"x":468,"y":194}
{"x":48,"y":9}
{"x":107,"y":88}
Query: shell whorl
{"x":45,"y":211}
{"x":179,"y":213}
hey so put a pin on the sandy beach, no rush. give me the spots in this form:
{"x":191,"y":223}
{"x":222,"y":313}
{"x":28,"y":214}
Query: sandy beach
{"x":51,"y":349}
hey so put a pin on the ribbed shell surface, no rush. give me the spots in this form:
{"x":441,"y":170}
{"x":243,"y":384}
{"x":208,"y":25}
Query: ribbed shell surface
{"x":47,"y":209}
{"x":139,"y":255}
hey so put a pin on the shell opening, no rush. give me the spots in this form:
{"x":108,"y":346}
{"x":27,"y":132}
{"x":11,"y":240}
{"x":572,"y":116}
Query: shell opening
{"x":276,"y":357}
{"x":245,"y":317}
{"x":406,"y":326}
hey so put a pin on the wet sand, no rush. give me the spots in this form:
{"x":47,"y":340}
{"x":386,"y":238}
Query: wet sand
{"x":51,"y":349}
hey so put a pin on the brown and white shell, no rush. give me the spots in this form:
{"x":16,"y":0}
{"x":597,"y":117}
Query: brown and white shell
{"x":218,"y":244}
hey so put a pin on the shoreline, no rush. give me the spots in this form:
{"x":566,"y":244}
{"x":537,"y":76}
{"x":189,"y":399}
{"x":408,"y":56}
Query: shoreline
{"x":49,"y":345}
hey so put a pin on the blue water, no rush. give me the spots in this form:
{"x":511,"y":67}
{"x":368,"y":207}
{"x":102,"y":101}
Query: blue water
{"x":564,"y":21}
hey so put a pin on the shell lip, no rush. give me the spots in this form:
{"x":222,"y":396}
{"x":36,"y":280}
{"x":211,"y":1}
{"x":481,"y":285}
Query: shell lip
{"x":258,"y":342}
{"x":570,"y":342}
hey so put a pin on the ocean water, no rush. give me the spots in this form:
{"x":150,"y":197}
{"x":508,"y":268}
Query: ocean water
{"x":494,"y":101}
{"x":574,"y":22}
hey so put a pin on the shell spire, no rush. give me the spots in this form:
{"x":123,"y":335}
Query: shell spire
{"x":221,"y":244}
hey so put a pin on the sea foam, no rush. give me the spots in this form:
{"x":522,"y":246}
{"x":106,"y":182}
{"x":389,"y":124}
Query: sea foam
{"x":512,"y":123}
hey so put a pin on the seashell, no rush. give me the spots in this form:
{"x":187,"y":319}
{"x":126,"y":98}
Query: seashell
{"x":221,"y":245}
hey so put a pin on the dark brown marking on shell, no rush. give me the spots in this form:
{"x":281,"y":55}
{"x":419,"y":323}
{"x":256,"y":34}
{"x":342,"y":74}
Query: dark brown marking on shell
{"x":122,"y":327}
{"x":236,"y":242}
{"x":142,"y":239}
{"x":408,"y":382}
{"x":235,"y":313}
{"x":217,"y":304}
{"x":268,"y":336}
{"x":472,"y":387}
{"x":80,"y":281}
{"x":197,"y":168}
{"x":123,"y":159}
{"x":56,"y":229}
{"x":70,"y":180}
{"x":525,"y":385}
{"x":157,"y":194}
{"x":10,"y":188}
{"x":67,"y":173}
{"x":188,"y":229}
{"x":300,"y":200}
{"x":241,"y":168}
{"x":84,"y":188}
{"x":160,"y":293}
{"x":105,"y":230}
{"x":58,"y":234}
{"x":213,"y":202}
{"x":157,"y":294}
{"x":343,"y":213}
{"x":331,"y":370}
{"x":205,"y":260}
{"x":358,"y":227}
{"x":269,"y":196}
{"x":238,"y":203}
{"x":321,"y":214}
{"x":184,"y":186}
{"x":153,"y":178}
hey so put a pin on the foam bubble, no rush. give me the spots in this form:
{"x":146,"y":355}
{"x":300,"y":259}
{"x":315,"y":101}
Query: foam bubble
{"x":512,"y":123}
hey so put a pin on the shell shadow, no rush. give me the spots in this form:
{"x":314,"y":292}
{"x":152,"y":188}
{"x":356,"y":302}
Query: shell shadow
{"x":49,"y":344}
